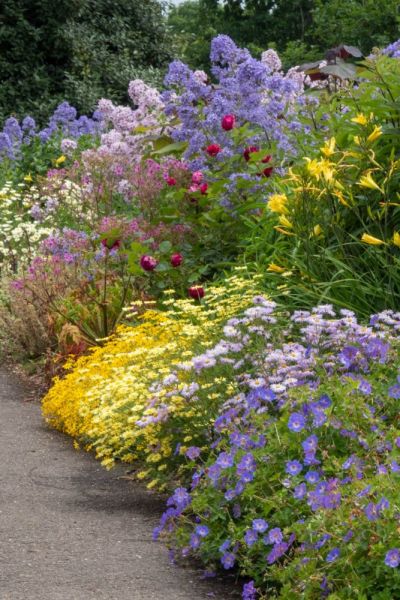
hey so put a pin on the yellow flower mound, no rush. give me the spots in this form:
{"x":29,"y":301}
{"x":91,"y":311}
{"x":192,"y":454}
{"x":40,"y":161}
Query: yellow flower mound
{"x":101,"y":398}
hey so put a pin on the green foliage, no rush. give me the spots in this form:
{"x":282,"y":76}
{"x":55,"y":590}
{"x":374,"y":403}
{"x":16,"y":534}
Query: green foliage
{"x":338,"y":213}
{"x":362,"y":23}
{"x":301,"y":30}
{"x":76,"y":50}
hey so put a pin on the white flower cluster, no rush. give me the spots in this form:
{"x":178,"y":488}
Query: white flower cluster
{"x":20,"y":234}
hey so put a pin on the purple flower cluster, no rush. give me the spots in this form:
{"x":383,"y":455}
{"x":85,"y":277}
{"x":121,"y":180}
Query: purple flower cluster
{"x":392,"y":50}
{"x":64,"y":123}
{"x":247,"y":88}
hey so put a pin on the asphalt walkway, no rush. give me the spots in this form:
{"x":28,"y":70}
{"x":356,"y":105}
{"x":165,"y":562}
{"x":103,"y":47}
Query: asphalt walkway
{"x":70,"y":530}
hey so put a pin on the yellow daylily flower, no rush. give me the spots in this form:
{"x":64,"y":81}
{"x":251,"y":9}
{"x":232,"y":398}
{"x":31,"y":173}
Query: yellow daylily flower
{"x":370,"y":239}
{"x":396,"y":239}
{"x":368,"y":182}
{"x":285,"y":222}
{"x":357,"y":140}
{"x":319,"y":168}
{"x":28,"y":178}
{"x":60,"y":160}
{"x":277,"y":203}
{"x":275,"y":268}
{"x":360,"y":119}
{"x":329,"y":148}
{"x":377,"y":132}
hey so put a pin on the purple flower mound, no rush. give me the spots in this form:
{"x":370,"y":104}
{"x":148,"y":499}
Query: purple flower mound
{"x":310,"y":476}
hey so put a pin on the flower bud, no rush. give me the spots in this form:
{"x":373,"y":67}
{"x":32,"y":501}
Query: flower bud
{"x":148,"y":263}
{"x":228,"y":122}
{"x":176,"y":259}
{"x":213,"y":149}
{"x":196,"y":292}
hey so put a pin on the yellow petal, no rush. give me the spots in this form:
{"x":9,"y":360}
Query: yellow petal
{"x":275,"y":268}
{"x":60,"y":160}
{"x":360,"y":119}
{"x":368,"y":182}
{"x":329,"y":147}
{"x":373,"y":241}
{"x":396,"y":239}
{"x":377,"y":132}
{"x":283,"y":231}
{"x":277,"y":203}
{"x":285,"y":222}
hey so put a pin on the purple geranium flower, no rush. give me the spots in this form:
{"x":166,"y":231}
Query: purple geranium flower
{"x":293,"y":467}
{"x":296,"y":422}
{"x":260,"y":525}
{"x":275,"y":536}
{"x":392,"y":558}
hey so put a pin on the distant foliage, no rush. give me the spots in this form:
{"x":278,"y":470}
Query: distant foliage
{"x":77,"y":50}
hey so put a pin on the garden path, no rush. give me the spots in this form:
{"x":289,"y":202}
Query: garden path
{"x":70,"y":530}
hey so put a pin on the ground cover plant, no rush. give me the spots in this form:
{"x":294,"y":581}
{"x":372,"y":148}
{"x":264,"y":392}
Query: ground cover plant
{"x":215,"y":265}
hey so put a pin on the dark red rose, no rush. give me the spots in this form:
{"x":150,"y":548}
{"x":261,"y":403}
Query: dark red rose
{"x":176,"y":259}
{"x":228,"y":122}
{"x":213,"y":149}
{"x":203,"y":188}
{"x":111,"y":244}
{"x":249,"y":150}
{"x":268,"y":171}
{"x":148,"y":263}
{"x":196,"y":292}
{"x":171,"y":181}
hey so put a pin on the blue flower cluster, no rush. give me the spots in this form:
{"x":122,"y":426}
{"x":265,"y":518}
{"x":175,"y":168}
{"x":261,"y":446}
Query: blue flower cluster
{"x":302,"y":465}
{"x":247,"y":88}
{"x":64,"y":121}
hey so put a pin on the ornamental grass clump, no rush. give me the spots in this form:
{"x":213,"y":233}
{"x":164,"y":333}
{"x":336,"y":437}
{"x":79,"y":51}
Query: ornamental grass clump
{"x":105,"y":399}
{"x":298,"y":485}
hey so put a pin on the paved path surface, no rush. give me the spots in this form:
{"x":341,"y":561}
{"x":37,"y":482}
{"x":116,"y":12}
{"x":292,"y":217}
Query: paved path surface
{"x":69,"y":530}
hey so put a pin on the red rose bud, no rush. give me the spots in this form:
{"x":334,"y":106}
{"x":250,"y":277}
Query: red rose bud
{"x":213,"y":149}
{"x":196,"y":292}
{"x":268,"y":171}
{"x":171,"y":181}
{"x":110,"y":244}
{"x":203,"y":188}
{"x":228,"y":122}
{"x":148,"y":263}
{"x":249,"y":150}
{"x":176,"y":260}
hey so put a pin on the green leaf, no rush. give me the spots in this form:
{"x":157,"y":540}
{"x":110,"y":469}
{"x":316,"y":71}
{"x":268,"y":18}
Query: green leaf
{"x":165,"y":247}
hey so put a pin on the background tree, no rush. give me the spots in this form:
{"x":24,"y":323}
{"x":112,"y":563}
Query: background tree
{"x":77,"y":50}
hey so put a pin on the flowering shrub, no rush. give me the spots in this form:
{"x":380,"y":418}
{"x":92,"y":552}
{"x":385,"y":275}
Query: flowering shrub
{"x":297,"y":484}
